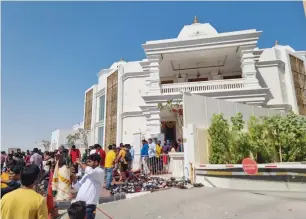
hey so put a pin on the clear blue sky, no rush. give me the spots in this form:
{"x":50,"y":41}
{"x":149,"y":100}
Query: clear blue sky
{"x":52,"y":51}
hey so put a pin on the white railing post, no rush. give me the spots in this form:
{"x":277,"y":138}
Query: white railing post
{"x":177,"y":164}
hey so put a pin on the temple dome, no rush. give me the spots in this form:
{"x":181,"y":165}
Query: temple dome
{"x":197,"y":30}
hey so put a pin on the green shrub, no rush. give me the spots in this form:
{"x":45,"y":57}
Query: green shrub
{"x":267,"y":139}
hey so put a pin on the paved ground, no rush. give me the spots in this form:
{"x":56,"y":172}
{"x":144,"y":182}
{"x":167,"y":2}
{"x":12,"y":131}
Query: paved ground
{"x":209,"y":203}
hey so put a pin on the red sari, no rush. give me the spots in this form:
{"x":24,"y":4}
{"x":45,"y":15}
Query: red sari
{"x":52,"y":213}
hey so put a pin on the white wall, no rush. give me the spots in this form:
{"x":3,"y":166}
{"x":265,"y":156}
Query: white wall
{"x":199,"y":109}
{"x":134,"y":89}
{"x":269,"y":70}
{"x":59,"y":137}
{"x":132,"y":125}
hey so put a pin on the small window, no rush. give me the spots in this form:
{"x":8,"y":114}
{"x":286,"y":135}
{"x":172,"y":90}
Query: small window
{"x":232,"y":77}
{"x":197,"y":79}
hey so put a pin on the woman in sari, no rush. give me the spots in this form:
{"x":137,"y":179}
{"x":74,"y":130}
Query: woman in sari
{"x":61,"y":184}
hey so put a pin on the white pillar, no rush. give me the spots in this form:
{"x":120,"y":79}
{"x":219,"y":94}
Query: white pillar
{"x":119,"y":105}
{"x":153,"y":122}
{"x":154,"y":61}
{"x":248,"y":67}
{"x":189,"y":144}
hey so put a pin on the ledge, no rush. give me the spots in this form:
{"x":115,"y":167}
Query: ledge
{"x":176,"y":155}
{"x":134,"y":75}
{"x":132,"y":114}
{"x":270,"y":63}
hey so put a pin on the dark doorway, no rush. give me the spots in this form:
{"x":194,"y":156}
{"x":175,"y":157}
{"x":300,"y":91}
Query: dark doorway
{"x":170,"y":130}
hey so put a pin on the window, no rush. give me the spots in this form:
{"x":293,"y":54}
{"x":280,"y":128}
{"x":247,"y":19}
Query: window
{"x":102,"y":108}
{"x":100,"y":135}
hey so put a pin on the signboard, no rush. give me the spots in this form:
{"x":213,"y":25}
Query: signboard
{"x":249,"y":166}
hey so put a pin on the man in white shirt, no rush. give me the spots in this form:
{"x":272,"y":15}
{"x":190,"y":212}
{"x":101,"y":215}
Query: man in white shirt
{"x":152,"y":156}
{"x":90,"y":186}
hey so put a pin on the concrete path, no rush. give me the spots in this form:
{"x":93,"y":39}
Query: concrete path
{"x":209,"y":203}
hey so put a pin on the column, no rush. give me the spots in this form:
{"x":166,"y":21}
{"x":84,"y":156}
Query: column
{"x":248,"y":67}
{"x":119,"y":105}
{"x":153,"y":122}
{"x":154,"y":61}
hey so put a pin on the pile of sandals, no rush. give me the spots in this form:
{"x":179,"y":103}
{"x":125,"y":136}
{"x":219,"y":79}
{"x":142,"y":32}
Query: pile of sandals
{"x":143,"y":183}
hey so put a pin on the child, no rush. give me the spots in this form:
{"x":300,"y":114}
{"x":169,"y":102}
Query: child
{"x":77,"y":210}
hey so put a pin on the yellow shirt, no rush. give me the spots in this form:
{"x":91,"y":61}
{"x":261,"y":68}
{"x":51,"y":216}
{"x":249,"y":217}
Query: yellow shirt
{"x":23,"y":204}
{"x":109,"y":159}
{"x":158,"y":150}
{"x":4,"y":176}
{"x":122,"y":154}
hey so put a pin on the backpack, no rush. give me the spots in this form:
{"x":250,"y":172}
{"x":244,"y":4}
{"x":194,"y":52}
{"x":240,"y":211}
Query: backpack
{"x":128,"y":156}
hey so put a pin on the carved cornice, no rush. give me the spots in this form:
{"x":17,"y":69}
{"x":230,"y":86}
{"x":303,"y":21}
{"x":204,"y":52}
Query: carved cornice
{"x":132,"y":114}
{"x":270,"y":63}
{"x":100,"y":92}
{"x":135,"y":75}
{"x":176,"y":44}
{"x":106,"y":71}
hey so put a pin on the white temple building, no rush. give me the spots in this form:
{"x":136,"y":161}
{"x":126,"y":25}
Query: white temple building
{"x":199,"y":60}
{"x":59,"y":137}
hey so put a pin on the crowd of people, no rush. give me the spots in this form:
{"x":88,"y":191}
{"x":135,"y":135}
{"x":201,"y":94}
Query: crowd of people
{"x":33,"y":180}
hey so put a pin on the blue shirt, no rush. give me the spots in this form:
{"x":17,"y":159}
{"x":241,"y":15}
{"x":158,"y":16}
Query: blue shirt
{"x":144,"y":150}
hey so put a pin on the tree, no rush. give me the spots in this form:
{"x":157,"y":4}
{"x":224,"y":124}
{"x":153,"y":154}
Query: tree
{"x":83,"y":135}
{"x":176,"y":109}
{"x":72,"y":138}
{"x":45,"y":144}
{"x":219,"y":133}
{"x":269,"y":139}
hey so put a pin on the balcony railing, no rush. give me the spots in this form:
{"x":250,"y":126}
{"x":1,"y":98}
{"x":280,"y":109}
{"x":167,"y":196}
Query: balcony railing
{"x":203,"y":86}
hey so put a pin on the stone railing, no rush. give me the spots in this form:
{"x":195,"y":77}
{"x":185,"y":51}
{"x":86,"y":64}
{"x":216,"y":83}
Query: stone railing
{"x":203,"y":86}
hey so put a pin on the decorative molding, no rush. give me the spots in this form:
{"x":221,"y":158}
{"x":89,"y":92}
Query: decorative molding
{"x":226,"y":94}
{"x":270,"y":63}
{"x":106,"y":71}
{"x":132,"y":114}
{"x":176,"y":43}
{"x":135,"y":75}
{"x":100,"y":93}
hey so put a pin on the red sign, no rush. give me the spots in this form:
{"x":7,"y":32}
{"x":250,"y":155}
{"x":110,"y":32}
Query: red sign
{"x":249,"y":166}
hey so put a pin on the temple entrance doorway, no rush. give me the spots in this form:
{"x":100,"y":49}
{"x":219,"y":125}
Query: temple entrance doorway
{"x":168,"y":128}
